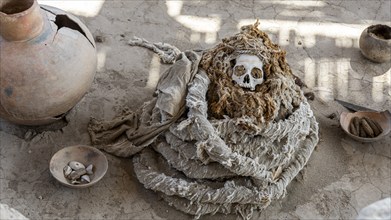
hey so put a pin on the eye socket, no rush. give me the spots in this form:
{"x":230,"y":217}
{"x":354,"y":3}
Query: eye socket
{"x":256,"y":73}
{"x":239,"y":70}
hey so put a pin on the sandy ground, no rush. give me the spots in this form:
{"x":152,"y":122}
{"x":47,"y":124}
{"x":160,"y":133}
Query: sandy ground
{"x":321,"y":40}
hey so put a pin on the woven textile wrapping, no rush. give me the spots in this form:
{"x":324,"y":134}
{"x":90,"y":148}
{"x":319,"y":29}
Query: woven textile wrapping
{"x":198,"y":148}
{"x":206,"y":166}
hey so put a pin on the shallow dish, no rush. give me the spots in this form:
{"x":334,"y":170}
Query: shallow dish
{"x":84,"y":154}
{"x":383,"y":118}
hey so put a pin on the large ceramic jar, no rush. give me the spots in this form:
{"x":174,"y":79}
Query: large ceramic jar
{"x":47,"y":62}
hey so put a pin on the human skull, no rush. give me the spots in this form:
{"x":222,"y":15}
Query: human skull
{"x":247,"y":72}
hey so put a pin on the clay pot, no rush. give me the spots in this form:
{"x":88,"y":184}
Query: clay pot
{"x":375,"y":43}
{"x":383,"y":118}
{"x":48,"y":62}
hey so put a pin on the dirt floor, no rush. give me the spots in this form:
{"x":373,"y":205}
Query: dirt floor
{"x":321,"y":40}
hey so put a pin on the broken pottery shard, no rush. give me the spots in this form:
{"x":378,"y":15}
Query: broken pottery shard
{"x":75,"y":165}
{"x":67,"y":170}
{"x":75,"y":182}
{"x":77,"y":174}
{"x":89,"y":169}
{"x":85,"y":179}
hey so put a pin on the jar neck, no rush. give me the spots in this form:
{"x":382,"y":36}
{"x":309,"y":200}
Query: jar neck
{"x":20,"y":20}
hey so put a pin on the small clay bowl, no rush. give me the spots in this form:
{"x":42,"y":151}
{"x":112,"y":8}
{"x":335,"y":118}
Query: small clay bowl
{"x":383,"y":118}
{"x":84,"y":154}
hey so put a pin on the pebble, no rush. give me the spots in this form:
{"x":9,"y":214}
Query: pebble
{"x":99,"y":39}
{"x":332,"y":116}
{"x":310,"y":96}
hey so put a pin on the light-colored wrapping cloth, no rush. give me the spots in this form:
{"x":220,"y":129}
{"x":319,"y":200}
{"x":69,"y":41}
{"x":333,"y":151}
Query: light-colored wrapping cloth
{"x":202,"y":165}
{"x":264,"y":160}
{"x":129,"y":133}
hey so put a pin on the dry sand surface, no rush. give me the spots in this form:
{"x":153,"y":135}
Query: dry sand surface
{"x":321,"y":40}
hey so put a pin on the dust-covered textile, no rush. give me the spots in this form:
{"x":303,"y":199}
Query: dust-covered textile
{"x":167,"y":53}
{"x":227,"y":165}
{"x":207,"y":145}
{"x":129,"y":133}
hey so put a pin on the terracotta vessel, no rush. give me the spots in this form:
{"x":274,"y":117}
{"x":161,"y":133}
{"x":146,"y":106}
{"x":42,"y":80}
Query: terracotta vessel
{"x":85,"y":155}
{"x":383,"y":118}
{"x":48,"y":62}
{"x":375,"y":43}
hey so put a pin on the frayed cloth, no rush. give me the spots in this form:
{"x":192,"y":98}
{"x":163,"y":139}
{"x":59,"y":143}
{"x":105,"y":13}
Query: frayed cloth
{"x":167,"y":53}
{"x":129,"y":133}
{"x":240,"y":166}
{"x":203,"y":150}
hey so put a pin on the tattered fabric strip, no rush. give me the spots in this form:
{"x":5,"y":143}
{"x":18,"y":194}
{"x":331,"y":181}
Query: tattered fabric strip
{"x":129,"y":133}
